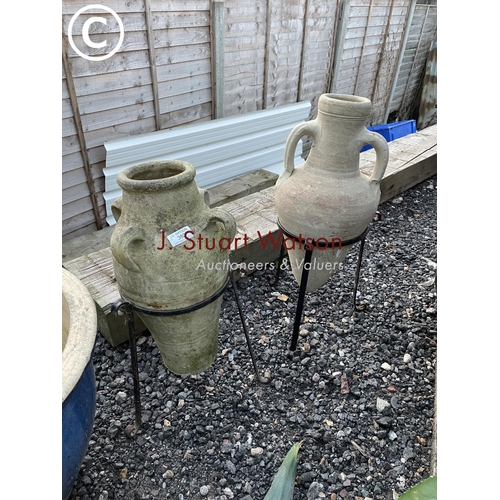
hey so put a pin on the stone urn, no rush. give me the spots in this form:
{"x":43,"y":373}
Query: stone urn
{"x":171,"y":260}
{"x":79,"y":330}
{"x":327,"y":199}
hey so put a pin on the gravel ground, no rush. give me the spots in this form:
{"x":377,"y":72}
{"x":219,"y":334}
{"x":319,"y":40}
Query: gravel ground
{"x":359,"y":389}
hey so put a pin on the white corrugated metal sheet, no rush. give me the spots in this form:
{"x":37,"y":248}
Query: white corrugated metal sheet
{"x":219,"y":149}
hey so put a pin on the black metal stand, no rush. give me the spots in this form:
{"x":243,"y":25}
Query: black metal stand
{"x":116,"y":308}
{"x":122,"y":306}
{"x":309,"y":247}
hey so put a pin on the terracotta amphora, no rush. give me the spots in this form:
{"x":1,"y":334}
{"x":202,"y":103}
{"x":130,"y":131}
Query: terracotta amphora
{"x":171,"y":254}
{"x":327,"y":199}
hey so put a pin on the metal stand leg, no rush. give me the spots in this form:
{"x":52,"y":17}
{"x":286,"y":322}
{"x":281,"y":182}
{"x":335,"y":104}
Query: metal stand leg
{"x":356,"y":281}
{"x":300,"y":303}
{"x":280,"y":261}
{"x":115,"y":308}
{"x":122,"y":306}
{"x":262,"y":379}
{"x":305,"y":271}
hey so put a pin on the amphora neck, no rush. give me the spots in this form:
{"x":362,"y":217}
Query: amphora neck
{"x":342,"y":120}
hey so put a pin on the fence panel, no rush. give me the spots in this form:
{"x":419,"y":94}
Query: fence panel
{"x":422,"y":33}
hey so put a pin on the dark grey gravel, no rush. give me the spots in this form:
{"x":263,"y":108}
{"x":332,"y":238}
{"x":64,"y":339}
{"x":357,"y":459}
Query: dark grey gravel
{"x":359,"y":389}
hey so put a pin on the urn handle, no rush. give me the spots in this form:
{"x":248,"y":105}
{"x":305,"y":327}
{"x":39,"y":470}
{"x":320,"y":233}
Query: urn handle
{"x":306,"y":128}
{"x":220,"y":215}
{"x":116,"y":208}
{"x":382,"y":154}
{"x":120,"y":246}
{"x":205,"y":195}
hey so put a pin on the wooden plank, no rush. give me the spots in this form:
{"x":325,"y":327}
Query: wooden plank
{"x":188,"y":19}
{"x":86,"y":219}
{"x":241,"y":186}
{"x":79,"y":205}
{"x":137,"y":6}
{"x":246,"y":11}
{"x":403,"y":179}
{"x":233,"y":107}
{"x":176,"y":88}
{"x":75,"y":192}
{"x":236,"y":27}
{"x":245,"y":57}
{"x":117,"y":116}
{"x":134,"y":41}
{"x":120,"y":81}
{"x":251,"y":84}
{"x":66,"y":109}
{"x":127,"y":61}
{"x":187,"y":116}
{"x":77,"y":176}
{"x":70,"y":8}
{"x":69,"y":127}
{"x":98,"y":137}
{"x":104,"y":101}
{"x":132,"y":21}
{"x":139,"y":59}
{"x":180,"y":5}
{"x":187,"y":100}
{"x":177,"y":71}
{"x":86,"y":244}
{"x":254,"y":72}
{"x":245,"y":42}
{"x":182,"y":53}
{"x":182,"y":37}
{"x":82,"y":229}
{"x":74,"y":160}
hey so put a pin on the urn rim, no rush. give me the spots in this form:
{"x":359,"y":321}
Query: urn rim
{"x":157,"y":175}
{"x":344,"y":105}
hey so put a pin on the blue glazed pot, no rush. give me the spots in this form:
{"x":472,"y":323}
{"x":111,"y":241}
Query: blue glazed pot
{"x":78,"y":378}
{"x":78,"y":412}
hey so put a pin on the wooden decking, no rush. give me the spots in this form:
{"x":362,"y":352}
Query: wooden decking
{"x":412,"y":160}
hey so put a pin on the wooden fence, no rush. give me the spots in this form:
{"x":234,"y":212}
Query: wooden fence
{"x":186,"y":61}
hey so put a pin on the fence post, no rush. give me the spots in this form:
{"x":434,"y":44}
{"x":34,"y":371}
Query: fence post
{"x":218,"y":30}
{"x":400,"y":60}
{"x":152,"y":62}
{"x":267,"y":50}
{"x":339,"y":42}
{"x":303,"y":51}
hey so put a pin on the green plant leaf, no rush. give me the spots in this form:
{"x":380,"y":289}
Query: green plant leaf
{"x":425,"y":490}
{"x":284,"y":480}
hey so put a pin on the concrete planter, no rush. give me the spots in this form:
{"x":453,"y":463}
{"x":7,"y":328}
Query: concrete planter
{"x":170,"y":252}
{"x":79,"y":328}
{"x":327,"y":197}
